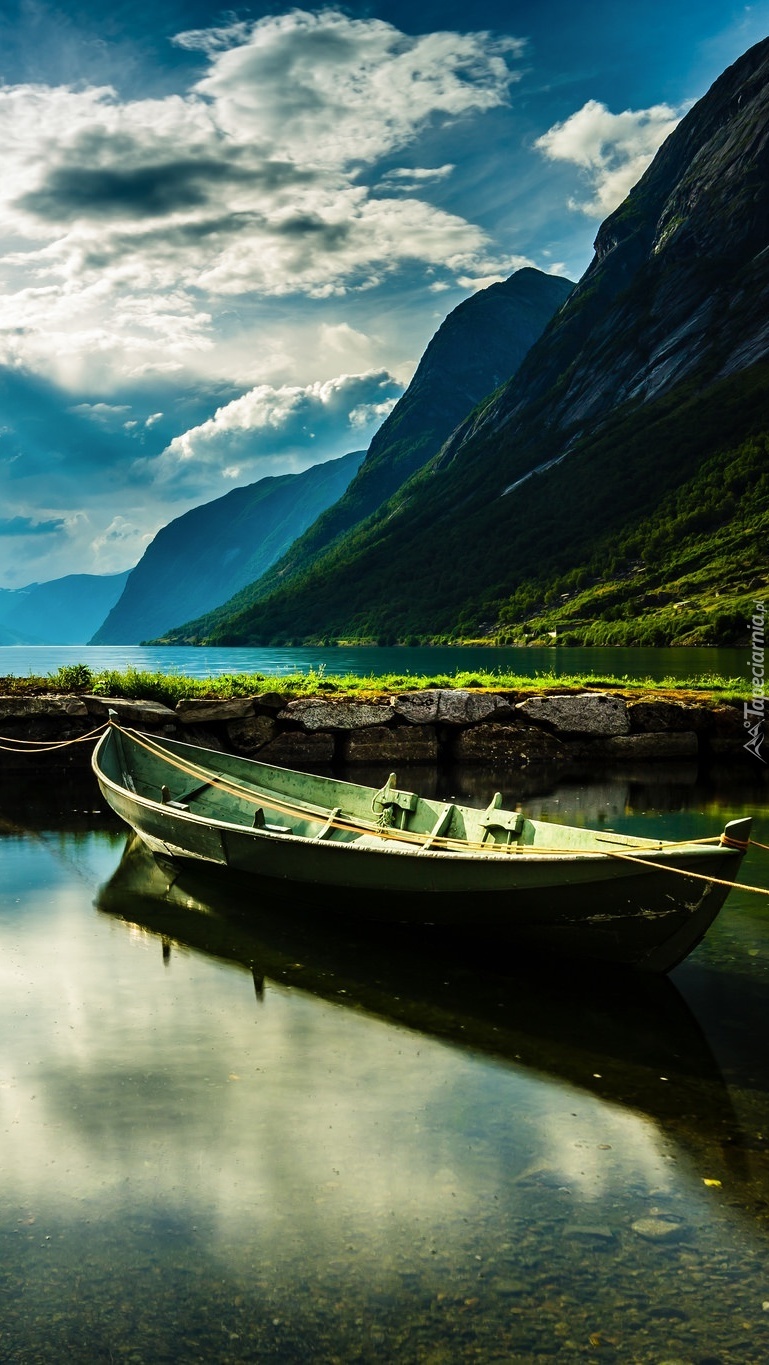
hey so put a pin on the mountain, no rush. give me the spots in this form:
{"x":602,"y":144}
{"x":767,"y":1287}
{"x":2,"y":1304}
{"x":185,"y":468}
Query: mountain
{"x":620,"y":475}
{"x":476,"y":348}
{"x":64,"y":611}
{"x":202,"y":558}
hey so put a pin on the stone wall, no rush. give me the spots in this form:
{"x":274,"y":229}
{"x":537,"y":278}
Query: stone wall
{"x":509,"y":729}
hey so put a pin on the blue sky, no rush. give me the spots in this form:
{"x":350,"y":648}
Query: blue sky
{"x":227,"y":236}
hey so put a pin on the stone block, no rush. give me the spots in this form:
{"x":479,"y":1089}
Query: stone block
{"x":273,"y":702}
{"x":663,"y":744}
{"x":378,"y":744}
{"x":507,"y":746}
{"x":459,"y":707}
{"x":449,"y":706}
{"x":654,"y":716}
{"x":728,"y":721}
{"x":418,"y":708}
{"x":295,"y":749}
{"x":721,"y":729}
{"x":211,"y":710}
{"x":145,"y":715}
{"x":315,"y":713}
{"x":205,"y":739}
{"x":249,"y":735}
{"x":586,"y":713}
{"x":28,"y":708}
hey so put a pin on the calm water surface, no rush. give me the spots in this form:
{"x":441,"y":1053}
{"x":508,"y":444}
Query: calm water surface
{"x":20,"y":660}
{"x":238,"y":1134}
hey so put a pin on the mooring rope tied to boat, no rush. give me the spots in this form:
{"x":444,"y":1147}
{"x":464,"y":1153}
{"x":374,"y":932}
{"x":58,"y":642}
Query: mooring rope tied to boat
{"x":302,"y":812}
{"x":366,"y":827}
{"x":682,"y":872}
{"x":410,"y":836}
{"x":47,"y":746}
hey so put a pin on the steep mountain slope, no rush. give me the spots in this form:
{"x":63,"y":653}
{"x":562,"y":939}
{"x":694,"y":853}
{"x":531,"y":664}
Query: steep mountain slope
{"x":64,"y":611}
{"x":476,"y":348}
{"x":658,"y":362}
{"x":203,"y":557}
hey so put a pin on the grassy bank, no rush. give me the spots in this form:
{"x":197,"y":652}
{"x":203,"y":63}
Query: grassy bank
{"x":170,"y":688}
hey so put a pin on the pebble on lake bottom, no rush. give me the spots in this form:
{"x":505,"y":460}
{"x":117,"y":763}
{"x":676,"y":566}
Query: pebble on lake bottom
{"x":659,"y":1229}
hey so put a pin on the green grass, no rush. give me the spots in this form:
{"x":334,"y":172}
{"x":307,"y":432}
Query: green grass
{"x":169,"y":688}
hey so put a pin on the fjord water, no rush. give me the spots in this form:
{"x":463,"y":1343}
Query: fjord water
{"x":235,"y":1133}
{"x":21,"y":660}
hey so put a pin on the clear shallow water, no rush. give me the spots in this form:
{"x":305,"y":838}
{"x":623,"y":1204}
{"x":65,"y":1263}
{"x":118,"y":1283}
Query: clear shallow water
{"x":232,"y":1137}
{"x":20,"y":660}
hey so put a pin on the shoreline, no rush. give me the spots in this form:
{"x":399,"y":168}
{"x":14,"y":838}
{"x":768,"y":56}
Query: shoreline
{"x":319,"y":727}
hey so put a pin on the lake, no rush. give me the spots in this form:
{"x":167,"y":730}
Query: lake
{"x":231,"y":1134}
{"x":20,"y":660}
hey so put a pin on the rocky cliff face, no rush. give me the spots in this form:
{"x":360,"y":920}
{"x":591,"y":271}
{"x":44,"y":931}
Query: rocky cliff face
{"x":477,"y":347}
{"x":475,"y":350}
{"x":658,"y":361}
{"x":203,"y":557}
{"x":680,"y":279}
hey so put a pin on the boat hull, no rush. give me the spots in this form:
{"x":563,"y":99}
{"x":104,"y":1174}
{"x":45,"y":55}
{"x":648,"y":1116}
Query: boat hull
{"x":600,"y":907}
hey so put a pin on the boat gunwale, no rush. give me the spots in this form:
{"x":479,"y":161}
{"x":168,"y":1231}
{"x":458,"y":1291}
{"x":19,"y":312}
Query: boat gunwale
{"x":514,"y":854}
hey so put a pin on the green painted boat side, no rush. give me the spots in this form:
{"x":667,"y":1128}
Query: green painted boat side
{"x":389,"y":854}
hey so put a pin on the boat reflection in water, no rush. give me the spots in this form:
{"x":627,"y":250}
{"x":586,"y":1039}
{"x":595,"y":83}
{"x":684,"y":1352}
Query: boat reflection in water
{"x":627,"y":1038}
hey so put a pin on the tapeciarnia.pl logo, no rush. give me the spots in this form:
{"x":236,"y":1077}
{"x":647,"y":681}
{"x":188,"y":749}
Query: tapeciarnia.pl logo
{"x":754,"y":709}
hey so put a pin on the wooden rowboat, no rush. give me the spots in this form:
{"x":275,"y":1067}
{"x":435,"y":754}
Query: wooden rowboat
{"x":391,"y":855}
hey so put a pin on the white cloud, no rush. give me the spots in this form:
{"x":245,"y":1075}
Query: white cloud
{"x":149,"y":246}
{"x":410,"y":179}
{"x":343,"y":339}
{"x":121,"y":541}
{"x":129,"y":225}
{"x":106,"y":414}
{"x":613,"y":150}
{"x":303,"y":425}
{"x":325,"y":90}
{"x":367,"y":415}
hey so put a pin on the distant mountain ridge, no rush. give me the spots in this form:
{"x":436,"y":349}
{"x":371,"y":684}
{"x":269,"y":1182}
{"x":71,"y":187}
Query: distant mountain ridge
{"x":200,"y":559}
{"x":476,"y":348}
{"x":657,"y":364}
{"x":63,"y":611}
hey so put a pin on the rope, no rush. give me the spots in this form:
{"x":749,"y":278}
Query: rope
{"x":361,"y":826}
{"x":283,"y":808}
{"x":699,"y":876}
{"x":408,"y":836}
{"x":45,"y":746}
